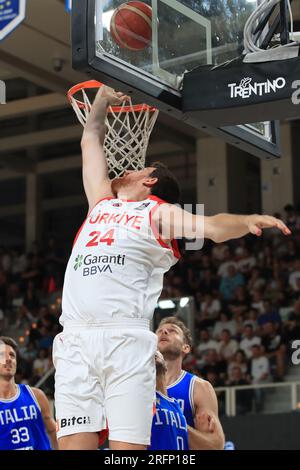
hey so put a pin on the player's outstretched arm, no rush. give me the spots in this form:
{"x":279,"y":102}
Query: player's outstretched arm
{"x":223,"y":227}
{"x":47,"y":416}
{"x":96,"y":181}
{"x":208,"y":433}
{"x":175,"y":222}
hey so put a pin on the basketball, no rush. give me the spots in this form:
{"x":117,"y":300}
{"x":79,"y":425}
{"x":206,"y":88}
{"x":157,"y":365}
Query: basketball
{"x":131,"y":26}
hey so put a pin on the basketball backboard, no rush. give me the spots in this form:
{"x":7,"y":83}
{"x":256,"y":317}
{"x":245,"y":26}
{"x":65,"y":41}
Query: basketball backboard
{"x":184,"y":35}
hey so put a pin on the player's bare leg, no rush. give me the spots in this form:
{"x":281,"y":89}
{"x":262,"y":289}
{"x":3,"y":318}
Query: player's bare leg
{"x":117,"y":445}
{"x":80,"y":441}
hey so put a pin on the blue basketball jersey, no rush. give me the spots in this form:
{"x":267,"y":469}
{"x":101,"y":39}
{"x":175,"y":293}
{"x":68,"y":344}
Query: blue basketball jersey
{"x":182,"y":390}
{"x":21,"y":422}
{"x":169,"y":428}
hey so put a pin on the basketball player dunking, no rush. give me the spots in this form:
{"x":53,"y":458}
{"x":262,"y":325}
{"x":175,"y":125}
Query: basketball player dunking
{"x":104,"y":358}
{"x":25,"y":417}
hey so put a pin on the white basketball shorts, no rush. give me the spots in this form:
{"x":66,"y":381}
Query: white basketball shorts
{"x":105,"y":376}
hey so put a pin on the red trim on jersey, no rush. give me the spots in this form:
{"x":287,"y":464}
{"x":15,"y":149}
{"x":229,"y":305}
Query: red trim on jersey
{"x":174,"y":244}
{"x":78,"y":233}
{"x":157,"y":199}
{"x":80,"y":229}
{"x":103,"y":435}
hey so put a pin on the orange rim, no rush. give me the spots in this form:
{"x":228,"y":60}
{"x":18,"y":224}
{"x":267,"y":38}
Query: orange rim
{"x":95,"y":84}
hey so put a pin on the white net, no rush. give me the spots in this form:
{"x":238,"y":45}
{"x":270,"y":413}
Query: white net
{"x":128,"y":129}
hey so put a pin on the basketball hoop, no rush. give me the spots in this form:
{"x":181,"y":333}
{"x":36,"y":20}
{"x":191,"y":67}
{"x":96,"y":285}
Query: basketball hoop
{"x":128,"y":128}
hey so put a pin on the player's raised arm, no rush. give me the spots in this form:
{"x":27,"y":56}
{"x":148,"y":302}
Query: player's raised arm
{"x":94,"y":165}
{"x":208,"y":433}
{"x":176,"y":222}
{"x":47,"y":416}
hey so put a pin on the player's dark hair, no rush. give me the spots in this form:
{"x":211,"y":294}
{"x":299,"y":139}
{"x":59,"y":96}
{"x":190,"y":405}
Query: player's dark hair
{"x":167,"y":187}
{"x":9,"y":342}
{"x":175,"y":321}
{"x":226,"y":331}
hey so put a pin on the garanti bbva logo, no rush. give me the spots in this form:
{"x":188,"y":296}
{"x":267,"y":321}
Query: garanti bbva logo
{"x":78,"y":262}
{"x":92,"y":264}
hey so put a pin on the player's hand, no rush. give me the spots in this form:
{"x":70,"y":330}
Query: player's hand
{"x":114,"y":98}
{"x":256,"y":223}
{"x":204,"y":422}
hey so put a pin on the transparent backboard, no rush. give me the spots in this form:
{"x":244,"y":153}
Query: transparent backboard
{"x":183,"y":35}
{"x":181,"y":39}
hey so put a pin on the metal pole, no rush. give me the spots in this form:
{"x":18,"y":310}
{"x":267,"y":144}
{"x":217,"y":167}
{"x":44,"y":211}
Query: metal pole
{"x":227,"y":402}
{"x":284,"y":22}
{"x":233,"y":401}
{"x":294,"y":396}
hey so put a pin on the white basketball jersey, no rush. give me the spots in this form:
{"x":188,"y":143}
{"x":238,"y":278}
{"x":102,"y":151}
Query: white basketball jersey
{"x":117,"y":264}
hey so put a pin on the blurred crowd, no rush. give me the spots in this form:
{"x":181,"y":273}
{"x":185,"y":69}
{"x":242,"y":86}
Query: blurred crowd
{"x":30,"y":305}
{"x":247,"y":299}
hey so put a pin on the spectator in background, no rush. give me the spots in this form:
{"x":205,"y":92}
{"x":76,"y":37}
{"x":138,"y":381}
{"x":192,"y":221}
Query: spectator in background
{"x":206,"y":343}
{"x":55,"y":260}
{"x":208,"y":283}
{"x":291,"y":332}
{"x":251,"y":319}
{"x":3,"y":289}
{"x":214,"y":364}
{"x":228,"y":346}
{"x":266,"y":256}
{"x":239,"y":360}
{"x":33,"y":271}
{"x":243,"y":397}
{"x":5,"y":260}
{"x":292,"y":252}
{"x":227,"y":261}
{"x":24,"y":318}
{"x":270,"y":315}
{"x":291,"y":217}
{"x":19,"y":263}
{"x":45,"y":339}
{"x":246,"y":262}
{"x":256,"y":281}
{"x":219,"y":252}
{"x":210,"y":308}
{"x":240,"y":303}
{"x":274,"y":348}
{"x":230,"y":282}
{"x":225,"y":323}
{"x":275,"y":289}
{"x":28,"y":352}
{"x":249,"y":340}
{"x":260,"y":374}
{"x":41,"y":364}
{"x":295,"y":294}
{"x":215,"y":380}
{"x":296,"y":310}
{"x":31,"y":298}
{"x":294,"y":276}
{"x":257,"y":301}
{"x":2,"y":322}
